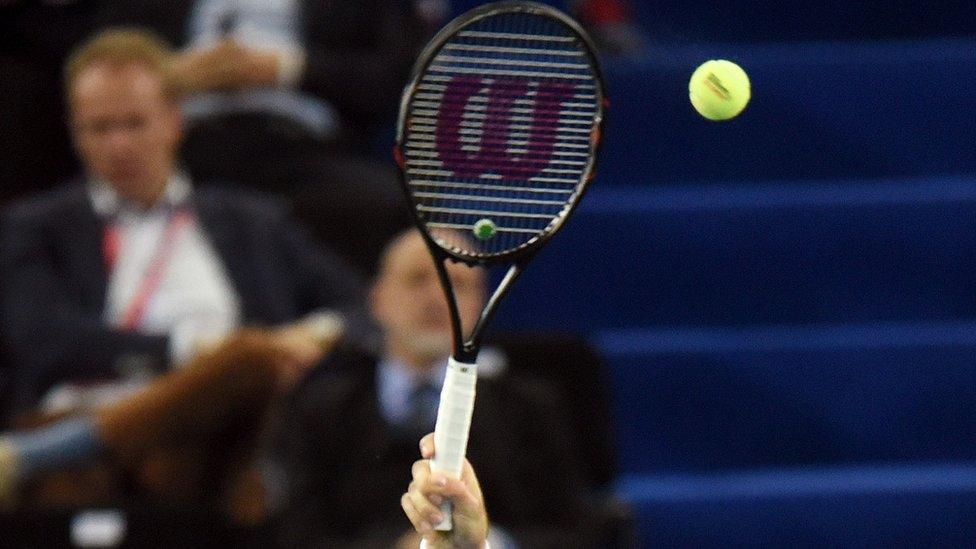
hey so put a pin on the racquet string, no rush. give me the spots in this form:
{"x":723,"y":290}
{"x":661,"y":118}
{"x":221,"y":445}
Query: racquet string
{"x":501,"y":128}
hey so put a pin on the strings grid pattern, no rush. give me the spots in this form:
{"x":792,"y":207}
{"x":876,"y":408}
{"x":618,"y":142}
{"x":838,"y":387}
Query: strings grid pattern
{"x":501,"y":128}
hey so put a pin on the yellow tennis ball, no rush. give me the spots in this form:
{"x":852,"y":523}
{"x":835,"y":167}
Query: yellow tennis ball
{"x":719,"y":89}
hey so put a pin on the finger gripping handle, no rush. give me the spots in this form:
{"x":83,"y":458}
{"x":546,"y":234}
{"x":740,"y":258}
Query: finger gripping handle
{"x":453,"y":424}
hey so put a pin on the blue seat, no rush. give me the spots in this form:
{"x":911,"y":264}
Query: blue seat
{"x":868,"y":506}
{"x":752,"y":22}
{"x":705,"y":400}
{"x":757,"y":255}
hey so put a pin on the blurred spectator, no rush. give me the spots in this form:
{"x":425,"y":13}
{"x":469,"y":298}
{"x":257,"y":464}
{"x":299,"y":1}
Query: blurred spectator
{"x":291,"y":96}
{"x":611,"y":24}
{"x":134,"y":269}
{"x":352,"y":430}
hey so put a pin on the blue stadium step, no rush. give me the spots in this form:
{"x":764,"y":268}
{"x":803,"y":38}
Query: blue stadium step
{"x":877,"y":505}
{"x":756,"y":254}
{"x":819,"y":110}
{"x":726,"y":399}
{"x":681,"y":22}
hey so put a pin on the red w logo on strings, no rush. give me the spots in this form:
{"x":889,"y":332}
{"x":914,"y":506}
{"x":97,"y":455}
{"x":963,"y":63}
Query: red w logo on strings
{"x":485,"y":144}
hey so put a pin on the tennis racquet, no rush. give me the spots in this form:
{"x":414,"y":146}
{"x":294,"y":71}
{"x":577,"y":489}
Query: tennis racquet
{"x":497,"y":140}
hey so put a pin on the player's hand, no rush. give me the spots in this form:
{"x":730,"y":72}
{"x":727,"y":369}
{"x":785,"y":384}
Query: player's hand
{"x":427,"y":490}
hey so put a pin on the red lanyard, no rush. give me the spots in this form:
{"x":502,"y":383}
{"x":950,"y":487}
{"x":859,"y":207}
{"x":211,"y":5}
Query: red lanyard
{"x":111,"y":246}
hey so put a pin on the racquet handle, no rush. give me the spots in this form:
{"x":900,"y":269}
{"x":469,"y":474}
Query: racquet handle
{"x":453,"y":424}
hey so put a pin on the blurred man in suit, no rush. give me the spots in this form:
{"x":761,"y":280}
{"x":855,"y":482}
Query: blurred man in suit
{"x":352,"y":428}
{"x":133,"y":269}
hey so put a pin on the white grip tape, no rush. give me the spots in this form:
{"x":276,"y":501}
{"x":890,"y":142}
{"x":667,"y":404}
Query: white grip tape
{"x":453,"y":424}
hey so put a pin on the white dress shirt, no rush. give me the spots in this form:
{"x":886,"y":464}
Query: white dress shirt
{"x":194,"y":300}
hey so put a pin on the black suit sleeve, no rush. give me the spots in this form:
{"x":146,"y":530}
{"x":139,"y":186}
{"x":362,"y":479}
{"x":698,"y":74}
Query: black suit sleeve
{"x":323,"y":279}
{"x":307,"y":449}
{"x":49,"y":332}
{"x":529,"y":468}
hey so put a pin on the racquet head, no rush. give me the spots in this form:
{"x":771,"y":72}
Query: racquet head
{"x":499,"y":130}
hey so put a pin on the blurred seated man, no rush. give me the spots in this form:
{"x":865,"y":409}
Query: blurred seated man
{"x":352,"y":429}
{"x":290,"y":96}
{"x":111,"y":280}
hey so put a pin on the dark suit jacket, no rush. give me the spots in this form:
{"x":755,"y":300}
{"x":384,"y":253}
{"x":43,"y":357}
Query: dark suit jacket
{"x":348,"y":467}
{"x":53,"y":282}
{"x":358,"y":53}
